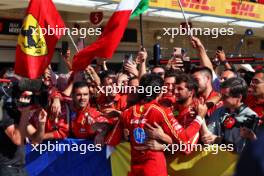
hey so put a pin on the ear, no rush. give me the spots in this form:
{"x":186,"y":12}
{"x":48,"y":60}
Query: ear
{"x":192,"y":93}
{"x":240,"y":98}
{"x":208,"y":78}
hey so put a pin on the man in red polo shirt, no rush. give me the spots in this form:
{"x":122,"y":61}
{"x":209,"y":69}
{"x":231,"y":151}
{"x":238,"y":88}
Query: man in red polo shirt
{"x":255,"y":99}
{"x":184,"y":111}
{"x":203,"y":75}
{"x":84,"y":117}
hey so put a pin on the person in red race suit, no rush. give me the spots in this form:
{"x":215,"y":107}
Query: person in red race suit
{"x":145,"y":161}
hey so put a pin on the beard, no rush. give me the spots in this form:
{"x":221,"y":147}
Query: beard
{"x":181,"y":100}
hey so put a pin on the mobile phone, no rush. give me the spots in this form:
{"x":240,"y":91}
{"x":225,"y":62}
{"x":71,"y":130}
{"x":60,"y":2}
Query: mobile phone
{"x":129,"y":58}
{"x":86,"y":76}
{"x":177,"y":51}
{"x":64,"y":47}
{"x":220,"y":48}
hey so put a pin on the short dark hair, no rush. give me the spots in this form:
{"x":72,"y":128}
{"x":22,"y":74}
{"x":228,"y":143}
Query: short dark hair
{"x":132,"y":78}
{"x":172,"y":73}
{"x":190,"y":82}
{"x":231,"y":70}
{"x":105,"y":74}
{"x":237,"y":86}
{"x":152,"y":80}
{"x":158,"y":66}
{"x":204,"y":70}
{"x":79,"y":84}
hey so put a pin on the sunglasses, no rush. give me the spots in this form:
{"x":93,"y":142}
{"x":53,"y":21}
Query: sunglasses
{"x":160,"y":73}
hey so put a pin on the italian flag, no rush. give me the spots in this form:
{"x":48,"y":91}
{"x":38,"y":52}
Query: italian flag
{"x":141,"y":8}
{"x":106,"y":44}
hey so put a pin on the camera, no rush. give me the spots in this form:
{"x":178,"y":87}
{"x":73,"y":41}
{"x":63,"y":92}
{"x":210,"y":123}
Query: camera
{"x":249,"y":121}
{"x":11,"y":92}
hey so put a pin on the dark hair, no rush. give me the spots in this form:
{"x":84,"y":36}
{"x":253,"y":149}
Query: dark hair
{"x":132,"y":78}
{"x":205,"y":70}
{"x":190,"y":82}
{"x":172,"y":73}
{"x":105,"y":74}
{"x":231,"y":70}
{"x":150,"y":80}
{"x":237,"y":87}
{"x":158,"y":66}
{"x":79,"y":84}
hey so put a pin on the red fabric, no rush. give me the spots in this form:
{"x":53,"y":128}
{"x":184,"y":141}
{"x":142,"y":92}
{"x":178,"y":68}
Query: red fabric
{"x":261,"y":1}
{"x":106,"y":45}
{"x":150,"y":162}
{"x":256,"y":106}
{"x":167,"y":101}
{"x":58,"y":126}
{"x":185,"y":135}
{"x":115,"y":136}
{"x":185,"y":121}
{"x":147,"y":162}
{"x":120,"y":103}
{"x":83,"y":121}
{"x":46,"y":14}
{"x":211,"y":110}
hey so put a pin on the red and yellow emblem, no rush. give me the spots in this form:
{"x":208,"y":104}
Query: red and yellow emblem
{"x":31,"y":39}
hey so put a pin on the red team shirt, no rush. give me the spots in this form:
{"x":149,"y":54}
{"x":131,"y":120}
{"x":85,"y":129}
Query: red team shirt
{"x":82,"y":121}
{"x":59,"y":126}
{"x":119,"y":103}
{"x":150,"y":162}
{"x":256,"y":106}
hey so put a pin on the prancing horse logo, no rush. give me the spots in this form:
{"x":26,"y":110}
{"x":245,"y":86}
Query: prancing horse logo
{"x":31,"y":39}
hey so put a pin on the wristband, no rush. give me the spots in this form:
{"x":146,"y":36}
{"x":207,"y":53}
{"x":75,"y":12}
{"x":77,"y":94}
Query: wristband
{"x":199,"y":118}
{"x":225,"y":62}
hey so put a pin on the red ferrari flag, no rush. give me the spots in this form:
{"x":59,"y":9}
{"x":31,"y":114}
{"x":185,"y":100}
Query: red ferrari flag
{"x":107,"y":43}
{"x":37,"y":39}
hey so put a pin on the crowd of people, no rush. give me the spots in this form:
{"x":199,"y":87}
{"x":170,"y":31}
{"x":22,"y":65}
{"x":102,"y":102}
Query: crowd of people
{"x":199,"y":104}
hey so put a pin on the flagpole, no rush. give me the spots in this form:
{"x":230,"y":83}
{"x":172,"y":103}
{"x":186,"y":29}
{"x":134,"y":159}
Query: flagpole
{"x":183,"y":13}
{"x":75,"y":46}
{"x":141,"y":30}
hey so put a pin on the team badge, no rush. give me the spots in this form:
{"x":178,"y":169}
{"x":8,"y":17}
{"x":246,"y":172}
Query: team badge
{"x":139,"y":135}
{"x":31,"y":40}
{"x":96,"y":17}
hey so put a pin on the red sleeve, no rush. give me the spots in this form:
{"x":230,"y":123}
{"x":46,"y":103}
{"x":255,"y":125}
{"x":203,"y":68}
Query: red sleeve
{"x":116,"y":135}
{"x":62,"y":130}
{"x":189,"y":135}
{"x":184,"y":135}
{"x":62,"y":126}
{"x":172,"y":127}
{"x":54,"y":93}
{"x":122,"y":103}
